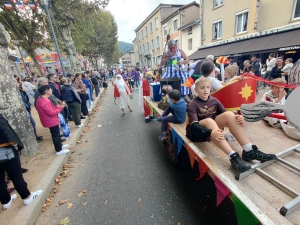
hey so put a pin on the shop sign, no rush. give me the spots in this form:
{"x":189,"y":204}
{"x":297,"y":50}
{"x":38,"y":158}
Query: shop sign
{"x":290,"y":48}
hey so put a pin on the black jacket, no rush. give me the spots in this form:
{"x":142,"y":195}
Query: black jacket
{"x":276,"y":72}
{"x":7,"y":134}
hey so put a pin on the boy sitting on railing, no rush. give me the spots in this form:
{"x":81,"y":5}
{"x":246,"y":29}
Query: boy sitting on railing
{"x":277,"y":95}
{"x":207,"y":118}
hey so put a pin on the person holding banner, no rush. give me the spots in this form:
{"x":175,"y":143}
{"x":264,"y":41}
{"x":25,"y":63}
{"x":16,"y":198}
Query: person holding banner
{"x":173,"y":60}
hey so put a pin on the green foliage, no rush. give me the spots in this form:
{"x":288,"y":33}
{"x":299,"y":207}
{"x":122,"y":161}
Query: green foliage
{"x":125,"y":47}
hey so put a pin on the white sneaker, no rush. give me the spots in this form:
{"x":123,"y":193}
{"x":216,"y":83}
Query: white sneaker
{"x":33,"y":196}
{"x":7,"y":205}
{"x":65,"y":146}
{"x":62,"y":152}
{"x":78,"y":126}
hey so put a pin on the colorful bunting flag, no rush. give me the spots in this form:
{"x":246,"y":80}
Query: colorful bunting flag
{"x":243,"y":215}
{"x":25,"y":1}
{"x":7,"y":5}
{"x":32,"y":5}
{"x":20,"y":5}
{"x":192,"y":156}
{"x":203,"y":168}
{"x":175,"y":137}
{"x":222,"y":191}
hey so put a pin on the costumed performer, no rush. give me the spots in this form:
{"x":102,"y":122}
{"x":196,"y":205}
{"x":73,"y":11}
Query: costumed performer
{"x":173,"y":60}
{"x":122,"y":92}
{"x":145,"y":91}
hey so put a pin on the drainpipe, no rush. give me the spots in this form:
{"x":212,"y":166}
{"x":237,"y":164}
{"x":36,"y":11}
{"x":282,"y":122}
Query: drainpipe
{"x":201,"y":23}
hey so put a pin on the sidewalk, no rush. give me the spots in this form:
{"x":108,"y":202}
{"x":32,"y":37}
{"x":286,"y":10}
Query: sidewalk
{"x":43,"y":168}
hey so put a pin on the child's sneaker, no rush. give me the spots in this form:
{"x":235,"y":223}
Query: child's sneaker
{"x":157,"y":120}
{"x":7,"y":205}
{"x":33,"y":196}
{"x":238,"y":164}
{"x":163,"y":137}
{"x":258,"y":155}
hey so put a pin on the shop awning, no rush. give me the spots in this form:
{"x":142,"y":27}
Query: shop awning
{"x":251,"y":46}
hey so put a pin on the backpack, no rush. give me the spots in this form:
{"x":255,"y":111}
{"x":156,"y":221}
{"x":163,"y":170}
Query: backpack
{"x":67,"y":95}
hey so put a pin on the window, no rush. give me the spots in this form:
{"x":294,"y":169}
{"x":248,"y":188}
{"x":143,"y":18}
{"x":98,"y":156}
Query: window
{"x":140,"y":49}
{"x":190,"y":30}
{"x":175,"y":23}
{"x":217,"y":30}
{"x":156,"y":23}
{"x":151,"y":28}
{"x":152,"y":44}
{"x":296,"y":13}
{"x":147,"y":46}
{"x":146,"y":31}
{"x":143,"y":48}
{"x":165,"y":31}
{"x":218,"y":3}
{"x":157,"y":41}
{"x":153,"y":61}
{"x":142,"y":34}
{"x":190,"y":44}
{"x":241,"y":22}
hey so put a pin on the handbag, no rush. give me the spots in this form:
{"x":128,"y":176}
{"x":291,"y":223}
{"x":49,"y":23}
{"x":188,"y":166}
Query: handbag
{"x":6,"y":153}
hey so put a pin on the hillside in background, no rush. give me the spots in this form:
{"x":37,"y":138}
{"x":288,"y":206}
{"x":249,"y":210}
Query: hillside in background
{"x":125,"y":47}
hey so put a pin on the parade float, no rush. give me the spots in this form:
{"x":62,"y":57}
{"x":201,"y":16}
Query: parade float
{"x":269,"y":192}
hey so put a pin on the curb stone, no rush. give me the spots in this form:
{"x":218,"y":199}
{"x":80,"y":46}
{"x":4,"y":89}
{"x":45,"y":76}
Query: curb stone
{"x":29,"y":214}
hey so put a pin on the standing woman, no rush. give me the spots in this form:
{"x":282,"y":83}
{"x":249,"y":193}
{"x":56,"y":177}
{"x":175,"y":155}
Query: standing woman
{"x":122,"y":92}
{"x":276,"y":70}
{"x":81,"y":90}
{"x":48,"y":114}
{"x":11,"y":141}
{"x":172,"y":60}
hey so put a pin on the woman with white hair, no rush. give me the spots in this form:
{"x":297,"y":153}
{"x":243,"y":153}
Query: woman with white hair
{"x":122,"y":92}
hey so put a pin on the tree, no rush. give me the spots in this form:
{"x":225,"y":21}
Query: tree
{"x":65,"y":14}
{"x":24,"y":25}
{"x":11,"y":104}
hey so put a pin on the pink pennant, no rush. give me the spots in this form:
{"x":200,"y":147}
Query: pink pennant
{"x":203,"y":168}
{"x":222,"y":191}
{"x":32,"y":5}
{"x":192,"y":155}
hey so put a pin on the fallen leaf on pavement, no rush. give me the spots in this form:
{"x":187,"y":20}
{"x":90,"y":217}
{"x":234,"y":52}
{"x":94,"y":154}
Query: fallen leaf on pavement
{"x":82,"y":164}
{"x":105,"y":202}
{"x":139,"y":201}
{"x":75,"y":161}
{"x":64,"y":221}
{"x":81,"y":193}
{"x":63,"y":201}
{"x":152,"y":216}
{"x":69,"y":205}
{"x":78,"y":142}
{"x":84,"y":203}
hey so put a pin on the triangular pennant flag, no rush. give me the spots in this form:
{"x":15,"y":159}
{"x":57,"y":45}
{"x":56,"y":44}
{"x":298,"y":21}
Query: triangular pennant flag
{"x":179,"y":144}
{"x":222,"y":191}
{"x":20,"y":5}
{"x":32,"y":5}
{"x":192,"y":156}
{"x":7,"y":5}
{"x":203,"y":168}
{"x":243,"y":215}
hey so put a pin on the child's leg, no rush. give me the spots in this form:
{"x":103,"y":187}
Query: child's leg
{"x":167,"y":111}
{"x":223,"y":144}
{"x":164,"y":122}
{"x":229,"y":119}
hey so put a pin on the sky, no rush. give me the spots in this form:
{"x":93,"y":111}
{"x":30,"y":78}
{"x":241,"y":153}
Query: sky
{"x":129,"y":14}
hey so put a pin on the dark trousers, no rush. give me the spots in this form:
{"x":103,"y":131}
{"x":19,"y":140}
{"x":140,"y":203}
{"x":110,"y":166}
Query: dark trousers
{"x":14,"y":171}
{"x":56,"y":138}
{"x":75,"y":110}
{"x":97,"y":90}
{"x":84,"y":108}
{"x":165,"y":119}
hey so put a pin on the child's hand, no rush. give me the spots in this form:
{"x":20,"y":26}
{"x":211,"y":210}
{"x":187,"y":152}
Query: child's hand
{"x":217,"y":135}
{"x":282,"y":94}
{"x":240,"y":119}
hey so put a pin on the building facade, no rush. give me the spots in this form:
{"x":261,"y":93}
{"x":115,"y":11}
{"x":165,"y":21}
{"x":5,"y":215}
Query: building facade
{"x":180,"y":17}
{"x":243,"y":27}
{"x":149,"y":36}
{"x":135,"y":56}
{"x":126,"y":60}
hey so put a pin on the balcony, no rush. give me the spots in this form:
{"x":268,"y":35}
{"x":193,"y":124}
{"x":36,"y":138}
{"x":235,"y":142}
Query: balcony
{"x":147,"y":54}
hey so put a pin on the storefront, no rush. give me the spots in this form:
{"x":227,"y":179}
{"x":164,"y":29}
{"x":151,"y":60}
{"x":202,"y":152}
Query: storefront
{"x":284,"y":44}
{"x":49,"y":63}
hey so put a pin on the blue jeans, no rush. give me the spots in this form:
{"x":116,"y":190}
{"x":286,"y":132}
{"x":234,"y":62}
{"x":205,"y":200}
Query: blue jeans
{"x":137,"y":83}
{"x":165,"y":119}
{"x":33,"y":124}
{"x":91,"y":91}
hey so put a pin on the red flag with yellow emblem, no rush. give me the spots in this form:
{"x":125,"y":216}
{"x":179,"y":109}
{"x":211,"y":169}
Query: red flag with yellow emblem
{"x":236,"y":93}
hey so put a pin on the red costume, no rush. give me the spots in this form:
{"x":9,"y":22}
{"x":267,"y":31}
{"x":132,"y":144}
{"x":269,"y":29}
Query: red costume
{"x":146,"y":92}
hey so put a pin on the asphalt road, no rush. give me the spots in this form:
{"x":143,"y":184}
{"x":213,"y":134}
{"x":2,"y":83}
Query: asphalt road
{"x":129,"y":179}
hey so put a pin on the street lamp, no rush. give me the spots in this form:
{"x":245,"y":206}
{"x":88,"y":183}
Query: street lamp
{"x":46,"y":6}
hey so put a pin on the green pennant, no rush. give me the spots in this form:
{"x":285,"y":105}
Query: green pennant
{"x":243,"y":215}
